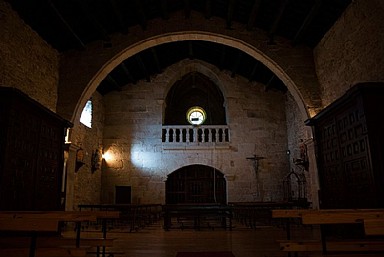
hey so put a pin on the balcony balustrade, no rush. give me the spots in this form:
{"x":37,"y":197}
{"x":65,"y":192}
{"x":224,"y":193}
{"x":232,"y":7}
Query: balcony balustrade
{"x":179,"y":135}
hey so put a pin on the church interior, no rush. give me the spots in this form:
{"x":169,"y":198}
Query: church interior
{"x":192,"y":128}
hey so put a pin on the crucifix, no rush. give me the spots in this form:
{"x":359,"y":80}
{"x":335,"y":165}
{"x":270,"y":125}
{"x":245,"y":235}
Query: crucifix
{"x":255,"y":160}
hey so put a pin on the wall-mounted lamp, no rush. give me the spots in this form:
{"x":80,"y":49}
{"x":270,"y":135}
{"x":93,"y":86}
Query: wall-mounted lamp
{"x":97,"y":158}
{"x":79,"y":159}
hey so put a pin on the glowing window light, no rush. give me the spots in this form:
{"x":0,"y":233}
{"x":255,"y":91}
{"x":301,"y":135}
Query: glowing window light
{"x":196,"y":115}
{"x":86,"y":115}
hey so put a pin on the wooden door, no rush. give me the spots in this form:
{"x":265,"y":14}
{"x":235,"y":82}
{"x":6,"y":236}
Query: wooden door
{"x":196,"y":184}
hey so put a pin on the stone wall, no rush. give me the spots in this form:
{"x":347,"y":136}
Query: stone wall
{"x":132,"y":134}
{"x":298,"y":134}
{"x":87,"y":181}
{"x":26,"y":61}
{"x":352,"y":51}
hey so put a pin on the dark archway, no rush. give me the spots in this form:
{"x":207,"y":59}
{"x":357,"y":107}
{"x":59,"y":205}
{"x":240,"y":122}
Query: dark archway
{"x":194,"y":89}
{"x":196,"y":184}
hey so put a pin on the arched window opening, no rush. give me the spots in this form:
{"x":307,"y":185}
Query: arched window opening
{"x":86,"y":114}
{"x":198,"y":98}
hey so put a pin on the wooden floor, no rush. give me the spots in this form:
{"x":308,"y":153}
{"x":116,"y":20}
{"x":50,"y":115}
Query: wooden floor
{"x":243,"y":242}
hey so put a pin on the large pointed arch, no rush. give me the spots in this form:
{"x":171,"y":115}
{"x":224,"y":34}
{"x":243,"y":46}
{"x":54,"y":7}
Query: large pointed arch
{"x":285,"y":69}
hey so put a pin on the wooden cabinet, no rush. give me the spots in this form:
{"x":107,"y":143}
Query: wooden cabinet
{"x":32,"y":149}
{"x":349,"y":136}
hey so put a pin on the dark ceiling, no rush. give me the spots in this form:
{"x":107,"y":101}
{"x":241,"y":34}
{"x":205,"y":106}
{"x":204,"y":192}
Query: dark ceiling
{"x":72,"y":24}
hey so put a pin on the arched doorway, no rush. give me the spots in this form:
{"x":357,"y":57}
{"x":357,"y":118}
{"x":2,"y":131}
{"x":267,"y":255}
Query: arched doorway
{"x":196,"y":184}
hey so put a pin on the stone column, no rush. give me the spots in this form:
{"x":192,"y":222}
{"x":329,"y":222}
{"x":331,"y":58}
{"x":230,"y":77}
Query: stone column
{"x":313,"y":173}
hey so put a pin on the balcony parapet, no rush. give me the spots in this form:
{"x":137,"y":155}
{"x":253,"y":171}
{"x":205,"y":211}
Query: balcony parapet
{"x":187,"y":136}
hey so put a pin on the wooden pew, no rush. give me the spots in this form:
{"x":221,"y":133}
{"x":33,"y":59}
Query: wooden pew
{"x":197,"y":214}
{"x":34,"y":223}
{"x":251,"y":214}
{"x":45,"y":252}
{"x":373,"y":224}
{"x":332,"y":246}
{"x":374,"y":227}
{"x":53,"y":241}
{"x":133,"y":216}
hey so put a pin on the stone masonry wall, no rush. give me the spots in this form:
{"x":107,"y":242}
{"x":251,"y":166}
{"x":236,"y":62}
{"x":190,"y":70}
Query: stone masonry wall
{"x":26,"y":61}
{"x":132,"y":134}
{"x":87,"y":182}
{"x":298,"y":134}
{"x":352,"y":51}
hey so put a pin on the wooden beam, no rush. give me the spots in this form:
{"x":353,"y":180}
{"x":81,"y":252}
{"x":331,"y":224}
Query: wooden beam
{"x":230,"y":12}
{"x":208,"y":9}
{"x":142,"y":67}
{"x":91,"y":17}
{"x":187,"y":8}
{"x":236,"y":64}
{"x":164,"y":9}
{"x":269,"y":84}
{"x":156,"y":59}
{"x":127,"y":73}
{"x":120,"y":18}
{"x":111,"y":81}
{"x":190,"y":50}
{"x":66,"y":24}
{"x":276,"y":22}
{"x":142,"y":16}
{"x":253,"y":15}
{"x":253,"y":72}
{"x":223,"y":56}
{"x":308,"y":20}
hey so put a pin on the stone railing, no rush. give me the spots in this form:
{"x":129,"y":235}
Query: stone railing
{"x":178,"y":134}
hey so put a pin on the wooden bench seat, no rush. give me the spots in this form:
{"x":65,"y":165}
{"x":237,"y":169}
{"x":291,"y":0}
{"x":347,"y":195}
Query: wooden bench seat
{"x":374,"y":227}
{"x":45,"y":252}
{"x":372,"y":219}
{"x":332,"y":246}
{"x":53,"y":241}
{"x":26,"y":234}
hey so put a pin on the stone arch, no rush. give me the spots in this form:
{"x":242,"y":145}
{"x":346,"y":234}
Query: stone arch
{"x":178,"y":70}
{"x":187,"y":66}
{"x":75,"y":89}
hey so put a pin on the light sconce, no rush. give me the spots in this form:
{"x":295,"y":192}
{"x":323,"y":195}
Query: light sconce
{"x":97,"y":158}
{"x":79,"y":159}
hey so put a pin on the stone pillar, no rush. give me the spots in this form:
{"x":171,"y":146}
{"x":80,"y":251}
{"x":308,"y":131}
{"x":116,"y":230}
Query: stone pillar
{"x":70,"y":180}
{"x":313,"y":173}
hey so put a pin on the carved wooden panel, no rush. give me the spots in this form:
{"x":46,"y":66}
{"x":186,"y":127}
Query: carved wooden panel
{"x":31,"y":165}
{"x":345,"y":132}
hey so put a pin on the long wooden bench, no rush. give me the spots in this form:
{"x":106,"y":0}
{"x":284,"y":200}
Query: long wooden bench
{"x":332,"y":246}
{"x":133,"y":216}
{"x":198,"y":215}
{"x":15,"y":225}
{"x":374,"y":226}
{"x":253,"y":214}
{"x":372,"y":219}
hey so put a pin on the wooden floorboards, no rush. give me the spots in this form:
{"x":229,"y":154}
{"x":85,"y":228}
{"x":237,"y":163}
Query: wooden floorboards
{"x":241,"y":241}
